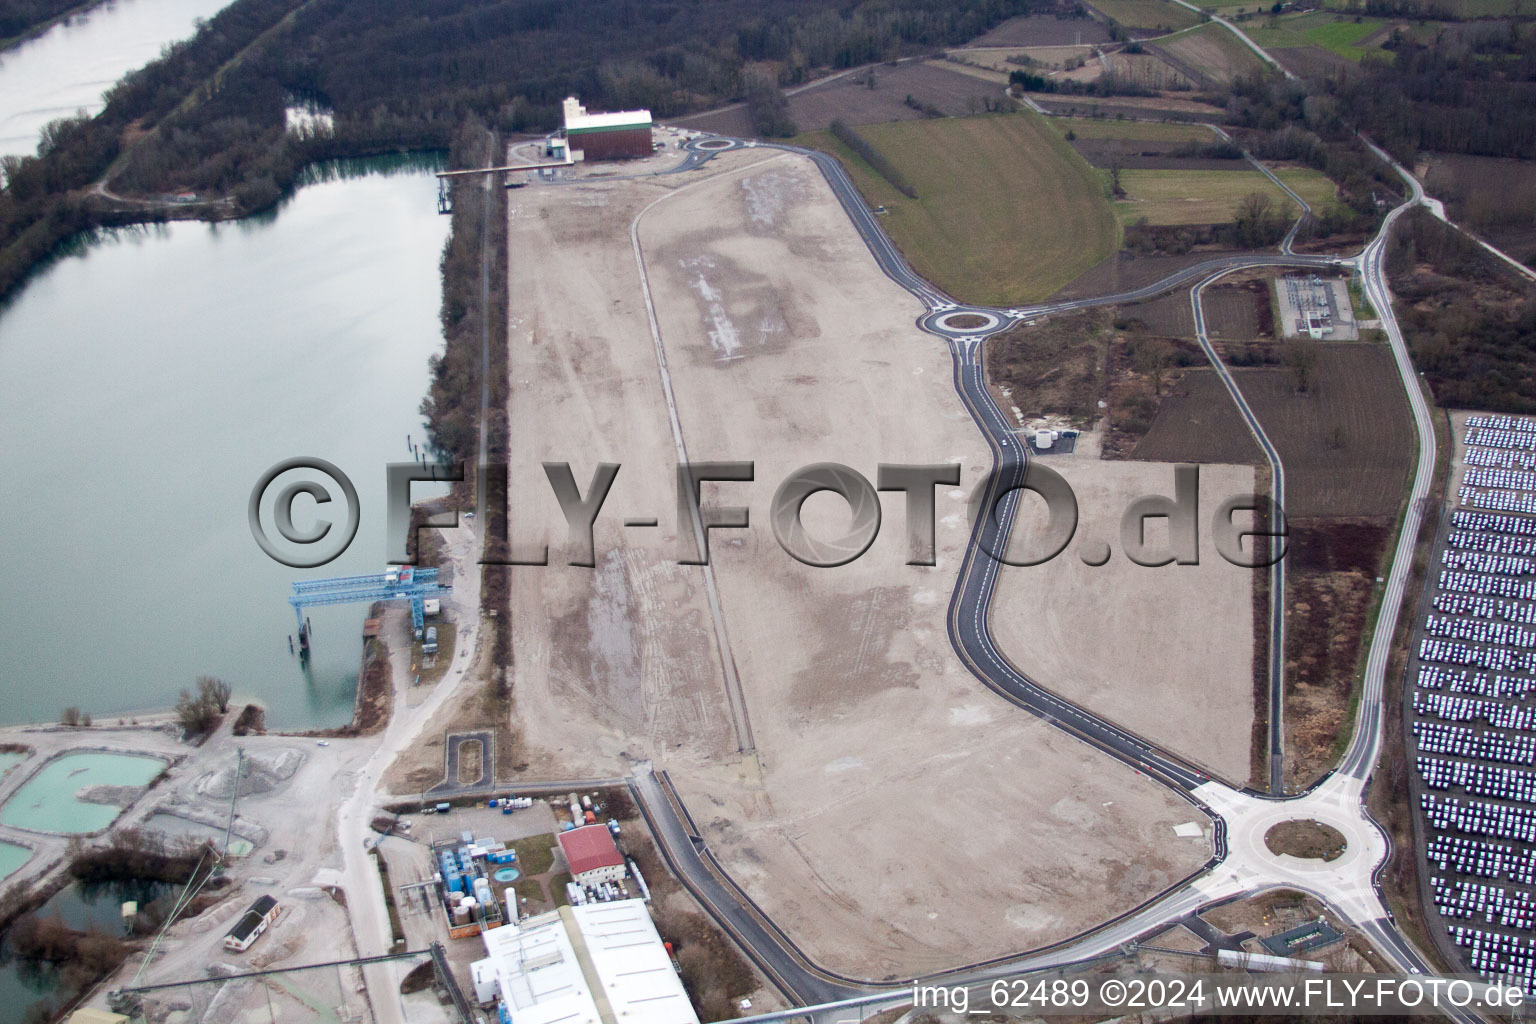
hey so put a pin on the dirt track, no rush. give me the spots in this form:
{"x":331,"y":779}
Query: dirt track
{"x":887,"y":781}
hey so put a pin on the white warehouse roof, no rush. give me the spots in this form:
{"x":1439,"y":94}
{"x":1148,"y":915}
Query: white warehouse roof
{"x":596,"y":964}
{"x":631,"y":962}
{"x":578,"y":120}
{"x":539,"y":977}
{"x":617,"y":119}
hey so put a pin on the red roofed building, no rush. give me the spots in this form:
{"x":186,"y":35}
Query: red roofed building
{"x":591,"y":855}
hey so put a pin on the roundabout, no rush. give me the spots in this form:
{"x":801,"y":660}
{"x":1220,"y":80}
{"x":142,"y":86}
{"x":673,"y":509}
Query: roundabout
{"x":961,"y":323}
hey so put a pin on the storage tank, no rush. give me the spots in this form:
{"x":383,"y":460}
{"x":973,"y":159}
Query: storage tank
{"x":471,"y":906}
{"x":586,"y":802}
{"x":590,"y":818}
{"x":1044,"y":439}
{"x":461,"y":914}
{"x":576,"y":811}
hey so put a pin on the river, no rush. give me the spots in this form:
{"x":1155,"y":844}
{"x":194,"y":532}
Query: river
{"x":72,"y":64}
{"x":146,"y":383}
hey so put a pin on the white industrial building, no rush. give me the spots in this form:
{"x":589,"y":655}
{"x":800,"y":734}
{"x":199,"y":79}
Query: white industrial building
{"x":602,"y":963}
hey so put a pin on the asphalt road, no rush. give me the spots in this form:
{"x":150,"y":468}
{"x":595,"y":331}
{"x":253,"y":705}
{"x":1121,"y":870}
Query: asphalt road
{"x":1277,"y":568}
{"x":971,"y":638}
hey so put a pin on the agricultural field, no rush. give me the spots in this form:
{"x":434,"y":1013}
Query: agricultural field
{"x":1312,"y":185}
{"x":1149,"y":16}
{"x":1005,"y":213}
{"x":997,"y":58}
{"x":1340,"y":35}
{"x":1494,"y":196}
{"x":1170,"y":132}
{"x":1347,"y":441}
{"x":1212,"y":51}
{"x":1192,"y":197}
{"x":1043,"y":30}
{"x":1311,"y":61}
{"x":1147,"y":70}
{"x":931,"y":85}
{"x":1197,"y":421}
{"x":1171,"y":107}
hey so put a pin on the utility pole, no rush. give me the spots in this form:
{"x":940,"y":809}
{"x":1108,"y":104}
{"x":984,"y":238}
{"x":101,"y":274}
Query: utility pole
{"x":234,"y":793}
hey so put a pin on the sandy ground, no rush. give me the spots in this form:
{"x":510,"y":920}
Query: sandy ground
{"x":1166,"y":652}
{"x":617,"y":663}
{"x":887,"y":780}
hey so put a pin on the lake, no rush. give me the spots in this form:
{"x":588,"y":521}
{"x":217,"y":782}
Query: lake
{"x":147,"y":382}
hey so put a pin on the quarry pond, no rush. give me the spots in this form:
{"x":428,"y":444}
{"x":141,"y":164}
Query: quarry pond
{"x":163,"y":370}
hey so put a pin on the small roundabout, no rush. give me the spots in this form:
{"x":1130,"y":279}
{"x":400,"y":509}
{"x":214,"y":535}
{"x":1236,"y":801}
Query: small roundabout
{"x":961,"y":323}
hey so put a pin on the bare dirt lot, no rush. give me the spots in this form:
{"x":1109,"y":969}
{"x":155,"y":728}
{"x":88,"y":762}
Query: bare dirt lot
{"x":785,"y":345}
{"x":1183,"y":677}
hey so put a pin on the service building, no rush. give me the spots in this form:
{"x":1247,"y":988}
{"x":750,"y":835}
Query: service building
{"x":601,"y":963}
{"x":591,"y":855}
{"x":613,"y":136}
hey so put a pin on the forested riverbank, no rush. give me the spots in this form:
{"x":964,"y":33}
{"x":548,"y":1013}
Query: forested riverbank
{"x":209,"y":117}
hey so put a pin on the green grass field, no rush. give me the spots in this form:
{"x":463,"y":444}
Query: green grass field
{"x":1313,"y":186}
{"x":1318,"y":28}
{"x":1006,"y":212}
{"x":1147,"y":14}
{"x":1144,"y":131}
{"x":1192,"y":197}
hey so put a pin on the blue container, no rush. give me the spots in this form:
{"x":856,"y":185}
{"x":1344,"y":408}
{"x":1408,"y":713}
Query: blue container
{"x":506,"y":808}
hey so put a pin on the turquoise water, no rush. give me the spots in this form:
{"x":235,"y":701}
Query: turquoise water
{"x":12,"y":857}
{"x":46,"y":802}
{"x":9,"y":760}
{"x":164,"y":370}
{"x":507,"y":874}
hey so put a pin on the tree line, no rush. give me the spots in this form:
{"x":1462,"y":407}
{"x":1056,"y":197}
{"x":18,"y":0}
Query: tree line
{"x":19,"y":17}
{"x":209,"y":115}
{"x":866,"y":151}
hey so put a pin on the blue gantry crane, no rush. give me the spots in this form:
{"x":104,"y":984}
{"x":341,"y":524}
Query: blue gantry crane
{"x":397,"y":583}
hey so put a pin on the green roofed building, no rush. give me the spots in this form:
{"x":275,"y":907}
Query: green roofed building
{"x":615,"y":136}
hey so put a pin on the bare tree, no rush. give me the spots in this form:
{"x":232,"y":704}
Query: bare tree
{"x":215,"y":691}
{"x":70,"y":716}
{"x":196,"y":715}
{"x":1116,"y":166}
{"x":1302,"y":355}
